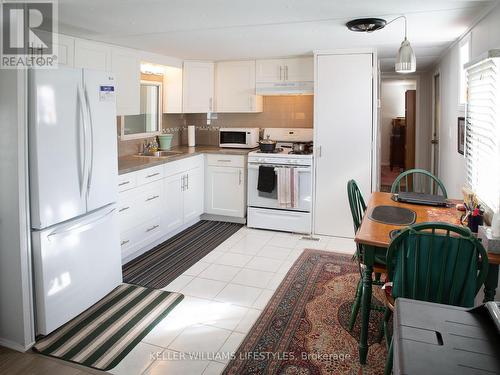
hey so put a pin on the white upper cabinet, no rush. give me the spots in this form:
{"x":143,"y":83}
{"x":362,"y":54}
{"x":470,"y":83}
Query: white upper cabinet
{"x":92,"y":55}
{"x":198,"y":87}
{"x":235,"y":87}
{"x":172,"y":89}
{"x":66,"y":50}
{"x":282,"y":70}
{"x":299,"y":69}
{"x":126,"y":66}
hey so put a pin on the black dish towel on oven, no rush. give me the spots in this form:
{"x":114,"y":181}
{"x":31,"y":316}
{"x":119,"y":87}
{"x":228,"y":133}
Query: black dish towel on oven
{"x":267,"y":179}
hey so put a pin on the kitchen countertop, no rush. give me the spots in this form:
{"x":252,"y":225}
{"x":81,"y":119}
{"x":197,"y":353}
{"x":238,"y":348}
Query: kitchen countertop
{"x":131,"y":163}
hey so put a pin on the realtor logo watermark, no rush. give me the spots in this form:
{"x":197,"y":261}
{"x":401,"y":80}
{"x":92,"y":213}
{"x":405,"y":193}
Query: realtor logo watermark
{"x":29,"y":34}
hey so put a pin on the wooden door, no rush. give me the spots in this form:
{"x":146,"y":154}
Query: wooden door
{"x":410,"y":114}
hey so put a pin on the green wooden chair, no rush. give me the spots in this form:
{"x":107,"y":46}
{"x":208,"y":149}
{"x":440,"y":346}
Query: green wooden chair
{"x":428,"y":180}
{"x":358,"y":208}
{"x":434,"y":262}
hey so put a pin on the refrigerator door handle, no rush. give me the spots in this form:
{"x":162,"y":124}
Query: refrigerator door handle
{"x":83,"y":110}
{"x":91,"y":137}
{"x":80,"y":226}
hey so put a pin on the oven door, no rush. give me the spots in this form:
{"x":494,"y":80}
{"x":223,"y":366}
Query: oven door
{"x":270,"y":200}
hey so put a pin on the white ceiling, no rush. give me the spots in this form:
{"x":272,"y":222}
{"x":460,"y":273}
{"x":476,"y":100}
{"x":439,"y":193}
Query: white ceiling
{"x":235,"y":29}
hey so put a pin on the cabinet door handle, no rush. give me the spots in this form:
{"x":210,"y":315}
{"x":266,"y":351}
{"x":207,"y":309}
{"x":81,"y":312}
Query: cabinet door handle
{"x":124,"y":242}
{"x":281,"y":69}
{"x":224,"y":160}
{"x":239,"y":177}
{"x":152,"y":228}
{"x":183,"y":183}
{"x":124,"y":183}
{"x":123,"y":209}
{"x":286,"y":72}
{"x":153,"y":197}
{"x":187,"y":182}
{"x":152,"y":175}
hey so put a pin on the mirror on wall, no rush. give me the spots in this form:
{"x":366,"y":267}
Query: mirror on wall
{"x":148,"y":122}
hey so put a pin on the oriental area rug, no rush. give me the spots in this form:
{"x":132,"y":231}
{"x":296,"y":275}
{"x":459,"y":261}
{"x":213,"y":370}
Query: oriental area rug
{"x":304,"y":328}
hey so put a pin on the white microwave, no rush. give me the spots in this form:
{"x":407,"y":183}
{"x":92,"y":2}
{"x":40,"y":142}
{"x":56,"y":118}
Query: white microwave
{"x":239,"y":137}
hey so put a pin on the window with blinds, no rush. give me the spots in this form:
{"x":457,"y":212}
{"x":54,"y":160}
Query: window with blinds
{"x":482,"y":137}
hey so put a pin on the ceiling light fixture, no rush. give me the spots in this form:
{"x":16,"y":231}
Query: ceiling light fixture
{"x":366,"y":25}
{"x":405,"y":60}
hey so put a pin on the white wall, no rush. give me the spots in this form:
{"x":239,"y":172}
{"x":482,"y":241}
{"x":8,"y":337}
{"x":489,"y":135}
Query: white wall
{"x":392,"y":97}
{"x":484,"y":36}
{"x":16,"y":316}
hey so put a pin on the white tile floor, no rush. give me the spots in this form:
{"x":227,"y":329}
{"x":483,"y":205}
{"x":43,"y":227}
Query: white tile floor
{"x":225,"y":293}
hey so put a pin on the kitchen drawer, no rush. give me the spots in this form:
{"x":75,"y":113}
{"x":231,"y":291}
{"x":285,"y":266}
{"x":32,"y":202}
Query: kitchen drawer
{"x":220,"y":160}
{"x":150,"y":198}
{"x":148,"y":175}
{"x":136,"y":238}
{"x":138,"y":205}
{"x":129,"y":238}
{"x":150,"y":230}
{"x":129,"y":209}
{"x":127,"y":181}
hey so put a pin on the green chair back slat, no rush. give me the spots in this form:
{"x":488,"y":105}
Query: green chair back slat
{"x":435,"y":185}
{"x":437,"y":262}
{"x":358,"y":207}
{"x":356,"y":203}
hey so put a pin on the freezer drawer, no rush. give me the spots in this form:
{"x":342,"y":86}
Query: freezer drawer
{"x":76,"y":264}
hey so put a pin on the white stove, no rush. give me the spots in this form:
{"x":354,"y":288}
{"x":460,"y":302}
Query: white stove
{"x":264,"y":208}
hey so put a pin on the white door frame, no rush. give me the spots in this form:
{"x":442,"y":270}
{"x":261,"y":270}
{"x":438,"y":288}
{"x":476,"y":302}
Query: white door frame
{"x":433,"y":156}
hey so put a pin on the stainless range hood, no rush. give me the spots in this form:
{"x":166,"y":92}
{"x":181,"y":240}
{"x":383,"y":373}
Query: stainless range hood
{"x":285,"y":88}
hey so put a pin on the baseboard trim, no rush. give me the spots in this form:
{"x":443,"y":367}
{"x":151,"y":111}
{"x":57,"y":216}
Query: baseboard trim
{"x":227,"y":219}
{"x":15,"y":346}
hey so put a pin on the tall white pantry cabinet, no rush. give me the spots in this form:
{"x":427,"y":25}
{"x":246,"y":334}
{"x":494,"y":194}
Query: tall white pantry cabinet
{"x":344,"y":135}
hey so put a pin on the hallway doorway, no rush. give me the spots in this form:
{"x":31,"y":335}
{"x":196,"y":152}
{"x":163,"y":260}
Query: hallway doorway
{"x":398,"y":122}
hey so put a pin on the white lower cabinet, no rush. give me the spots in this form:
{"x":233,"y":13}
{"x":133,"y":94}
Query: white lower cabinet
{"x":225,"y":185}
{"x":193,"y":194}
{"x":173,"y":216}
{"x":161,"y":200}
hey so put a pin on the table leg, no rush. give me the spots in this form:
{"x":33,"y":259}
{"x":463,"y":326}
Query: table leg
{"x":366,"y":302}
{"x":491,"y":283}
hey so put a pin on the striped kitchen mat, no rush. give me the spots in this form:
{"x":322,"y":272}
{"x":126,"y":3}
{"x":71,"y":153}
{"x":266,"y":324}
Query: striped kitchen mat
{"x":104,"y":334}
{"x":161,"y":265}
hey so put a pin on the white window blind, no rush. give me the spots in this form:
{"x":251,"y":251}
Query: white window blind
{"x":482,"y":144}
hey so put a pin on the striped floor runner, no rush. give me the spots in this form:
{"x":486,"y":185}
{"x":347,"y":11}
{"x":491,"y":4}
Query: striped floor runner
{"x":103,"y":335}
{"x":164,"y":263}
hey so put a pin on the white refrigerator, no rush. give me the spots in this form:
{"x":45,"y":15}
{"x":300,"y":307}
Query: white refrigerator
{"x":73,"y":192}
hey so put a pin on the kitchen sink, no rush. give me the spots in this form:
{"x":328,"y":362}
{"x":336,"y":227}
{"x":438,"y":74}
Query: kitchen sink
{"x":160,"y":154}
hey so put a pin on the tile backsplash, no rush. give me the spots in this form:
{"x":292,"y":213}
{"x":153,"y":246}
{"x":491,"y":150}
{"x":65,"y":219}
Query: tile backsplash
{"x":279,"y":112}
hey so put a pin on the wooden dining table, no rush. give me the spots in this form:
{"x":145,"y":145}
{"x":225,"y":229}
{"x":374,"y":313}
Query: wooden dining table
{"x":374,"y":234}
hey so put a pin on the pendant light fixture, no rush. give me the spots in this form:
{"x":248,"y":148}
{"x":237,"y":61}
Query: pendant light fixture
{"x":405,"y":60}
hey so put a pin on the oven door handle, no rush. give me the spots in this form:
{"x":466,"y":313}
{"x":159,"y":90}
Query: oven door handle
{"x":299,"y":169}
